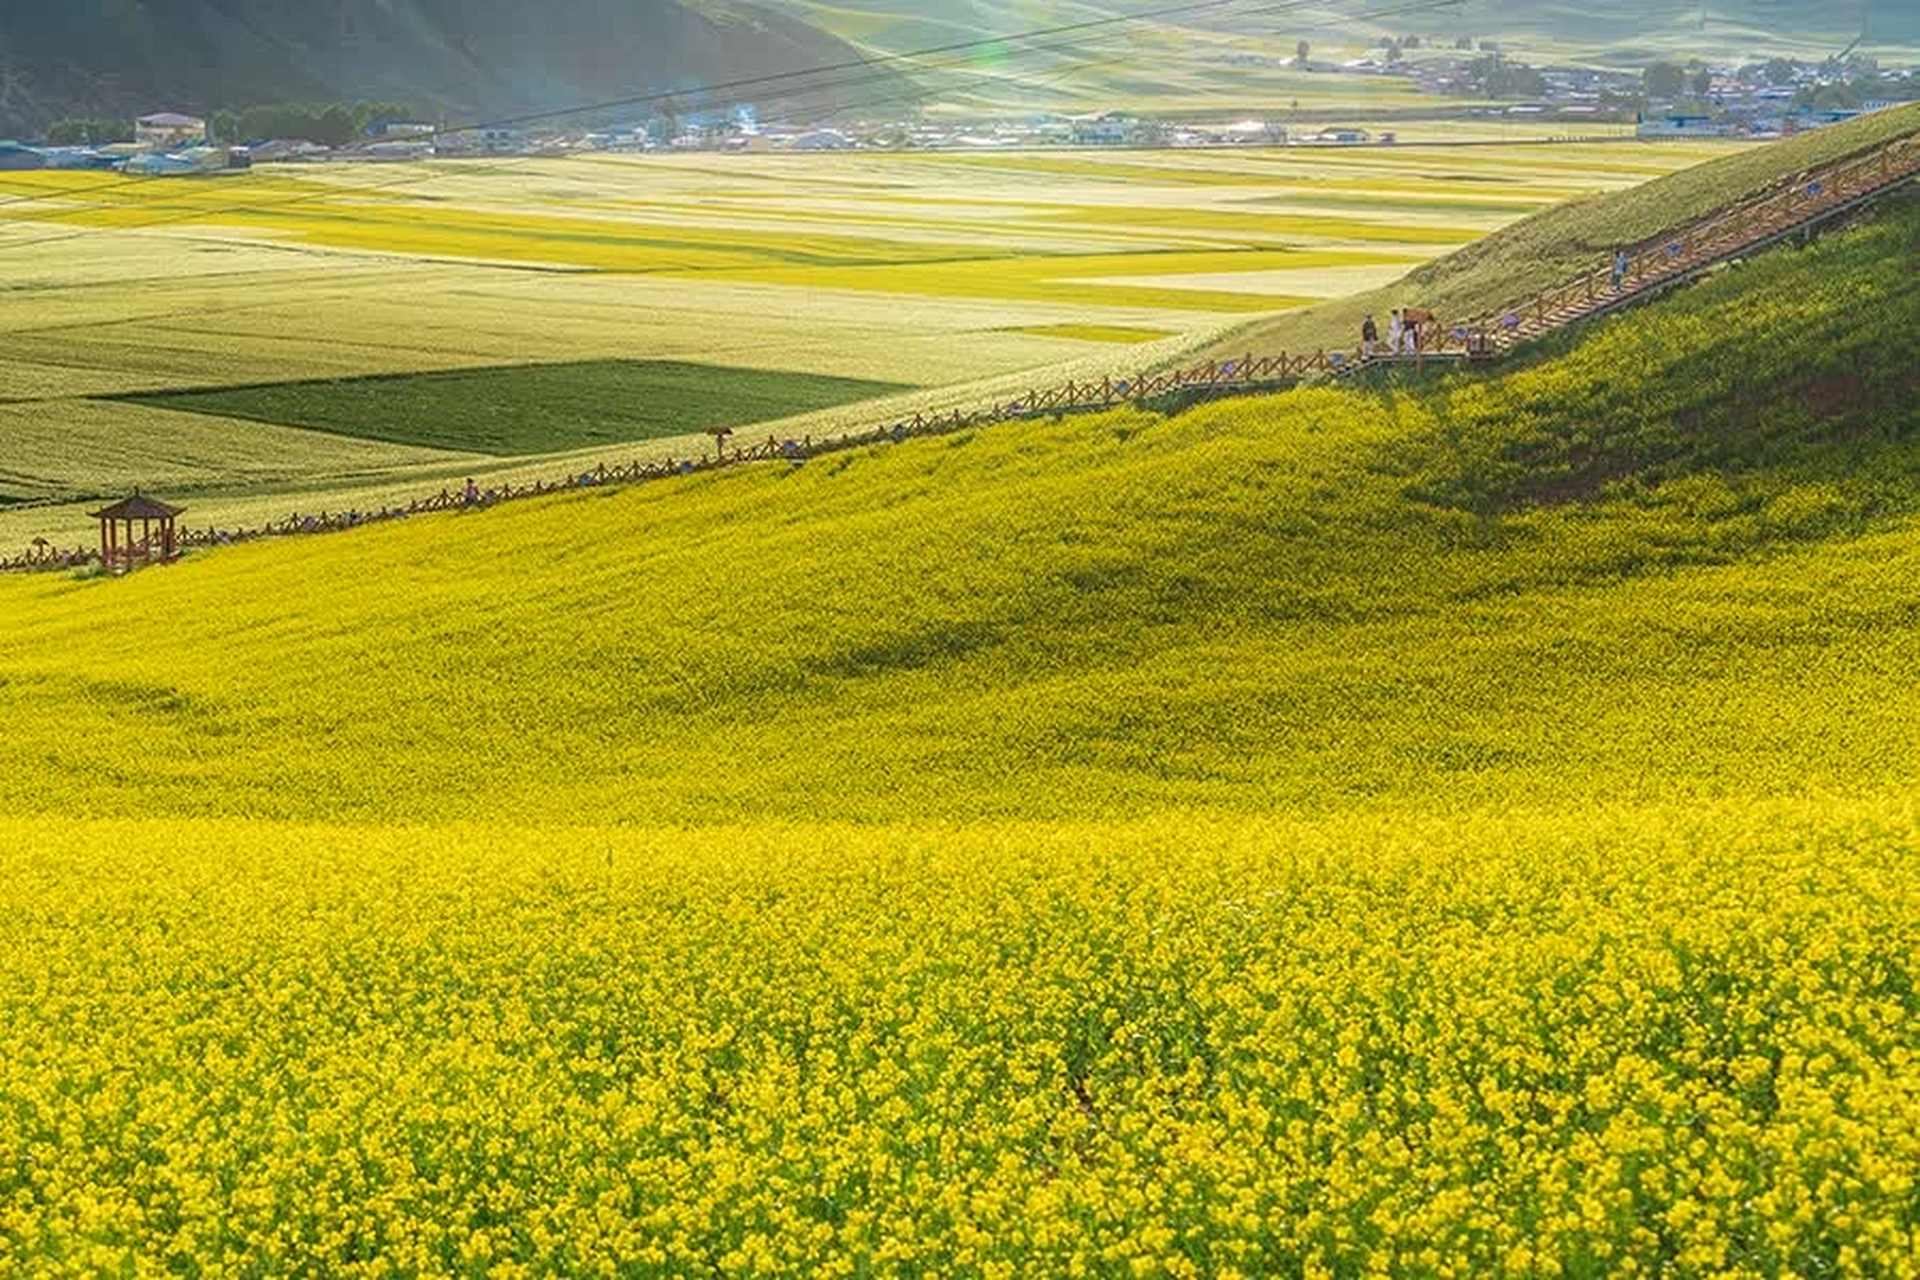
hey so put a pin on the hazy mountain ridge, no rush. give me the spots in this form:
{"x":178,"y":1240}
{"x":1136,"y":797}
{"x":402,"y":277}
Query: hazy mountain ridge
{"x":1648,"y":27}
{"x":470,"y":57}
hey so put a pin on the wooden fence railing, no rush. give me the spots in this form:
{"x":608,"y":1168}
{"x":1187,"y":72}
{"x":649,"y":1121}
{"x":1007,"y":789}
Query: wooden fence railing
{"x":1754,"y":220}
{"x":1806,"y":198}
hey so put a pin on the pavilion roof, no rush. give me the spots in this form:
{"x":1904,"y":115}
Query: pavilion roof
{"x":138,"y":507}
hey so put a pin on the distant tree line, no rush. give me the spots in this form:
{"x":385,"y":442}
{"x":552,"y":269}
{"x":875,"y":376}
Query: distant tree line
{"x":1840,"y":85}
{"x":328,"y":124}
{"x":90,"y":133}
{"x":1665,"y":80}
{"x":1492,"y":76}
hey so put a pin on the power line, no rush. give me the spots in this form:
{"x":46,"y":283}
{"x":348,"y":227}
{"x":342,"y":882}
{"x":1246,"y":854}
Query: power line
{"x":732,"y":101}
{"x":1149,"y":15}
{"x":415,"y":179}
{"x":869,"y":64}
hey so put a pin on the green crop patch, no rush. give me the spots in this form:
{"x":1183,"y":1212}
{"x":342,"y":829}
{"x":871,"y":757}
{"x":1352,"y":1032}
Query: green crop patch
{"x":532,"y":409}
{"x":1118,"y":333}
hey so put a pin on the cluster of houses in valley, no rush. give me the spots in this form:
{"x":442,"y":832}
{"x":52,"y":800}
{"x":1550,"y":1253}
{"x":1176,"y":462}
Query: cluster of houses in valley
{"x":170,"y":144}
{"x":1746,"y":100}
{"x":1725,"y":105}
{"x":1021,"y":132}
{"x":165,"y":144}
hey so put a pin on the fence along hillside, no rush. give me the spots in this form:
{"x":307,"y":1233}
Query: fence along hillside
{"x":1793,"y":207}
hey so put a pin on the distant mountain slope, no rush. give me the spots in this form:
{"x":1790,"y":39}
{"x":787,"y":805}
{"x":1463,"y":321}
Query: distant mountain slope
{"x":471,"y":57}
{"x":1632,"y":28}
{"x":1635,"y":30}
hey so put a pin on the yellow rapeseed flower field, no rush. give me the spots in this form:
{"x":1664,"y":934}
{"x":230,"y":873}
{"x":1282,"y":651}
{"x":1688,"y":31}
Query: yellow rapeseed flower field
{"x":1463,"y":827}
{"x":1608,"y":1042}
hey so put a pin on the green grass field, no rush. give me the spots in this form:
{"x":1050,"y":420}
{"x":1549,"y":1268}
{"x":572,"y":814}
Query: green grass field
{"x":533,"y":409}
{"x":1465,"y":825}
{"x":960,"y":275}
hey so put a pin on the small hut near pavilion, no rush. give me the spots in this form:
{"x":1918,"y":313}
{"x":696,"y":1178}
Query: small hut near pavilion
{"x":154,"y":518}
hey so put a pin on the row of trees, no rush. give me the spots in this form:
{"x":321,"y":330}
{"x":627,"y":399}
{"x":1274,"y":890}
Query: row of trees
{"x":1838,"y":85}
{"x":90,"y":132}
{"x":329,"y":124}
{"x":1395,"y":45}
{"x":1665,"y":80}
{"x":1492,"y":76}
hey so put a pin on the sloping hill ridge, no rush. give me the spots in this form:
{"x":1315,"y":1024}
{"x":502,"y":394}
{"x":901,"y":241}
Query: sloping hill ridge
{"x":1567,"y":241}
{"x":471,"y":57}
{"x":1679,"y":551}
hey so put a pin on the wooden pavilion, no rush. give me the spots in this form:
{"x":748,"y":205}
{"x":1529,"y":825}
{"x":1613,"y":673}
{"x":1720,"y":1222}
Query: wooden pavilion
{"x":152,"y":517}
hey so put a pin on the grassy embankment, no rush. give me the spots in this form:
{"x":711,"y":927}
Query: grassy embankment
{"x":1465,"y":825}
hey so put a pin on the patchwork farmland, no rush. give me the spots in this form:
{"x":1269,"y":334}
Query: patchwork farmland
{"x":904,"y":283}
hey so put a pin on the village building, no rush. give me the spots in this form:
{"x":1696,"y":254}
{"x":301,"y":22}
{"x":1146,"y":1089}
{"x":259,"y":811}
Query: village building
{"x":16,"y":158}
{"x":398,"y":149}
{"x":166,"y":130}
{"x":77,"y":158}
{"x":1108,"y":129}
{"x":286,"y":150}
{"x":188,"y":163}
{"x":1679,"y":125}
{"x":492,"y":141}
{"x":822,"y":140}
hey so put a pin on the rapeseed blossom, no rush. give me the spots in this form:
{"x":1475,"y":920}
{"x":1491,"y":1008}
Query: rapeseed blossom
{"x":1602,"y":1042}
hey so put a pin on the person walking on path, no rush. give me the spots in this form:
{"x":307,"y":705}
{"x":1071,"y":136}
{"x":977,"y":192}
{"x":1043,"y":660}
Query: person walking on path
{"x":1369,"y":337}
{"x":1619,"y":268}
{"x":1412,"y":319}
{"x":1396,"y":332}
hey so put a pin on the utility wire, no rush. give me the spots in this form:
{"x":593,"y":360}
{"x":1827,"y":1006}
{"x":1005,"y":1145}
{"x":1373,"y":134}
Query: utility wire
{"x":414,"y":179}
{"x":964,"y":46}
{"x":878,"y":60}
{"x":725,"y":103}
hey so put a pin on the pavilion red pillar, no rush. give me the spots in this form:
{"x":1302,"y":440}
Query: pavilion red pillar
{"x":106,"y":545}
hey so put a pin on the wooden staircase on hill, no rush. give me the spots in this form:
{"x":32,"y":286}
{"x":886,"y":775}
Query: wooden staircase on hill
{"x":1785,"y":210}
{"x":1791,"y":208}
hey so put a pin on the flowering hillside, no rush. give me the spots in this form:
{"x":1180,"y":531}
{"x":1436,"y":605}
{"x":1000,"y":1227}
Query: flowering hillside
{"x":1438,"y":829}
